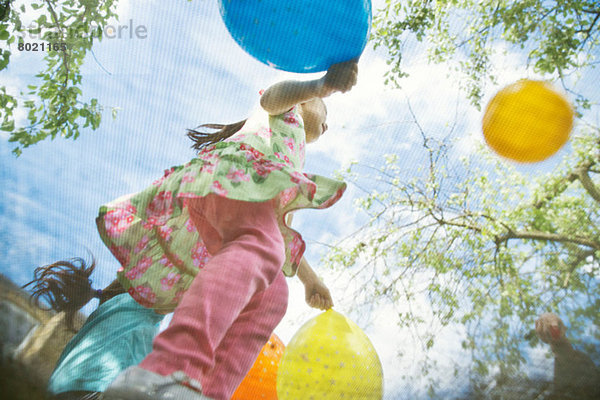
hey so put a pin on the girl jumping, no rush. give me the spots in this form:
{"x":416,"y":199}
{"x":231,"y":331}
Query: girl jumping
{"x":117,"y":335}
{"x":211,"y":241}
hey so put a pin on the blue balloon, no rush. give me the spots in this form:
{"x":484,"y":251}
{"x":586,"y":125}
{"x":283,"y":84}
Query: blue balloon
{"x":299,"y":35}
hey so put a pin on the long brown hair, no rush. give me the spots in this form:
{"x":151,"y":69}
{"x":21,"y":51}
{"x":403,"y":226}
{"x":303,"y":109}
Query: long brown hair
{"x":220,"y":133}
{"x":66,"y":286}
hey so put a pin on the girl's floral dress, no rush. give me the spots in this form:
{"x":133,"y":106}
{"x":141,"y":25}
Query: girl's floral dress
{"x":152,"y":236}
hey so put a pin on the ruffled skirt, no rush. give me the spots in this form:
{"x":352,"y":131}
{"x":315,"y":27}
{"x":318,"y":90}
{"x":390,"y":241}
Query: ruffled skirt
{"x":159,"y":249}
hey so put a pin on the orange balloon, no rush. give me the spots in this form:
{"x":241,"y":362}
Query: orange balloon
{"x":261,"y":381}
{"x":527,"y":121}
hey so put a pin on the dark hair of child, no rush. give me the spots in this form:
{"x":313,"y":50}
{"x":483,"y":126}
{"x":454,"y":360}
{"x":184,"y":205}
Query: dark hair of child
{"x":66,"y":286}
{"x":203,"y":139}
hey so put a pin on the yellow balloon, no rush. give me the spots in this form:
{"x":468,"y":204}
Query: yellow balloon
{"x":527,"y":121}
{"x":330,"y":357}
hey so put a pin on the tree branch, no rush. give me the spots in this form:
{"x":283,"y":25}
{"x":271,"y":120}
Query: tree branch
{"x":588,"y":31}
{"x":545,"y":236}
{"x":442,"y":222}
{"x":586,"y":181}
{"x":574,"y":264}
{"x":62,"y":35}
{"x":580,"y":173}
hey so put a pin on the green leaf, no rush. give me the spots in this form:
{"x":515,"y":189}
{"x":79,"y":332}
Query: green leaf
{"x":42,"y":20}
{"x":8,"y":126}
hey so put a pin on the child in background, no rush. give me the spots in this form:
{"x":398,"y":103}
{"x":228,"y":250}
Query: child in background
{"x":210,"y":240}
{"x":118,"y":334}
{"x":575,"y":374}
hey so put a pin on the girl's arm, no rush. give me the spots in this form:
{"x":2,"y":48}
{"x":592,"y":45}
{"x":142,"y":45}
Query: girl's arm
{"x":282,"y":96}
{"x":316,"y":293}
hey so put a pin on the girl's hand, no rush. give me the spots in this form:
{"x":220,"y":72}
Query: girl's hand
{"x":282,"y":96}
{"x":340,"y":77}
{"x":317,"y":295}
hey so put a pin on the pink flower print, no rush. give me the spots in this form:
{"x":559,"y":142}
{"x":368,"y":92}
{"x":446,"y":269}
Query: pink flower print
{"x":141,"y":245}
{"x":207,"y":168}
{"x":251,"y":153}
{"x":170,"y":280}
{"x":133,"y":274}
{"x":164,"y":260}
{"x":165,"y":232}
{"x":127,"y":206}
{"x":168,"y":262}
{"x":219,"y":189}
{"x":189,"y":225}
{"x":161,"y":208}
{"x":200,"y":255}
{"x":296,"y":248}
{"x":237,"y":138}
{"x":237,"y":175}
{"x":117,"y":221}
{"x":186,"y":195}
{"x":290,"y":118}
{"x":261,"y":170}
{"x":152,"y":222}
{"x":159,"y":181}
{"x":143,"y":295}
{"x":263,"y":167}
{"x":287,"y":195}
{"x":169,"y":171}
{"x":284,"y":158}
{"x":121,"y":254}
{"x":207,"y":150}
{"x":133,"y":293}
{"x":257,"y":154}
{"x":148,"y":225}
{"x":137,"y":297}
{"x":166,"y":174}
{"x":207,"y":154}
{"x":264,"y":133}
{"x":188,"y":177}
{"x":297,"y":177}
{"x":144,"y":264}
{"x":290,"y":143}
{"x":312,"y":189}
{"x":140,"y":268}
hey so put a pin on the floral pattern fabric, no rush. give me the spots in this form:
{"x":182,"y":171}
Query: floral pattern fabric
{"x":152,"y":236}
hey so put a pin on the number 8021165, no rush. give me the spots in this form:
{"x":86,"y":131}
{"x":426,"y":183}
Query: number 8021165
{"x":43,"y":46}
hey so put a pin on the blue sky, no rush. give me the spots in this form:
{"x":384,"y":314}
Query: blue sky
{"x":188,"y":71}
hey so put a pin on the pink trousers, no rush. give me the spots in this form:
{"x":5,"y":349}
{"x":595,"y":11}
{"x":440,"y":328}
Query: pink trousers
{"x":234,"y":303}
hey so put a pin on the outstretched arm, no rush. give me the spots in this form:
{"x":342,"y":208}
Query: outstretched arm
{"x":316,"y":293}
{"x":282,"y":96}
